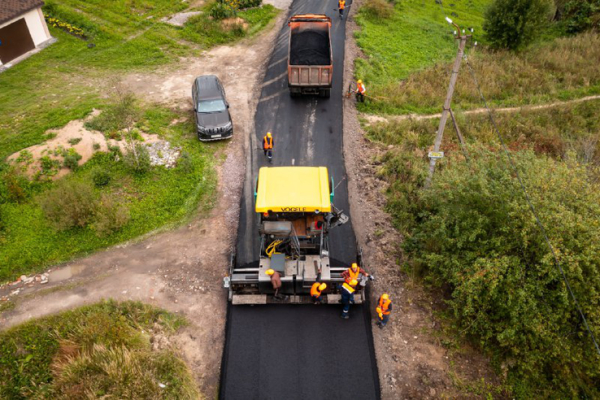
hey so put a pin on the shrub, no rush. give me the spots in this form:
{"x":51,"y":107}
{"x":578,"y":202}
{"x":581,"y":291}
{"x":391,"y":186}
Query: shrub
{"x":15,"y":186}
{"x":222,"y":10}
{"x":110,"y":216}
{"x":70,"y":204}
{"x":249,"y":3}
{"x":477,"y":237}
{"x":100,"y":177}
{"x":71,"y":159}
{"x":96,"y":146}
{"x":74,"y":141}
{"x":185,"y":163}
{"x":378,"y":9}
{"x":138,"y":159}
{"x":120,"y":115}
{"x":513,"y":24}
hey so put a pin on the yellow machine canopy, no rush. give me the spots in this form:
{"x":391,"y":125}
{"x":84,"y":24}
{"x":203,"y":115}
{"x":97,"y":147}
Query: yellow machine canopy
{"x":293,"y":189}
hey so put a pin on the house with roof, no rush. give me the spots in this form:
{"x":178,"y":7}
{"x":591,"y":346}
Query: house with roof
{"x":22,"y":29}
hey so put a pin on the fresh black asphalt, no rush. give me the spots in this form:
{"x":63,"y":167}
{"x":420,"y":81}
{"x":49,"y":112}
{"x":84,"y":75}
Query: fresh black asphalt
{"x":285,"y":351}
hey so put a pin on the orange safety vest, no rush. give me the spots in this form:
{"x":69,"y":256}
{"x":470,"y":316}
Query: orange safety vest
{"x":342,"y":4}
{"x":361,"y":88}
{"x":314,"y":290}
{"x":352,"y":274}
{"x":349,"y":288}
{"x":267,"y":143}
{"x":384,"y":304}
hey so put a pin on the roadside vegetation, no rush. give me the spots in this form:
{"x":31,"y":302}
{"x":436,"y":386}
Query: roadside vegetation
{"x":104,"y":350}
{"x":408,"y":59}
{"x":471,"y":236}
{"x":112,"y":198}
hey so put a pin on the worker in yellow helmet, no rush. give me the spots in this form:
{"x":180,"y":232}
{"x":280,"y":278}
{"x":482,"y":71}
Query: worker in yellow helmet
{"x":347,"y":290}
{"x":276,"y":282}
{"x":361,"y":91}
{"x":341,"y":7}
{"x":316,"y":290}
{"x":384,"y":309}
{"x":354,"y":272}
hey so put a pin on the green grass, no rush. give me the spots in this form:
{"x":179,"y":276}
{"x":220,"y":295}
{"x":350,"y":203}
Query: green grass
{"x":65,"y":82}
{"x":155,"y":199}
{"x":98,"y":350}
{"x":415,"y":37}
{"x":207,"y":32}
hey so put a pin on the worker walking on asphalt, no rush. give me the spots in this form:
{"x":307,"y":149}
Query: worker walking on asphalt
{"x":348,"y":290}
{"x":355,"y":272}
{"x":268,"y":146}
{"x":384,"y":309}
{"x":316,"y":290}
{"x":276,"y":282}
{"x":361,"y":91}
{"x":341,"y":6}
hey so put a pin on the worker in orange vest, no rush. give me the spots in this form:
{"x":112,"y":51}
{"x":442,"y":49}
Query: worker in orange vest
{"x":361,"y":91}
{"x":341,"y":6}
{"x":347,"y":290}
{"x":354,"y":272}
{"x":268,"y":146}
{"x":316,"y":290}
{"x":384,"y":309}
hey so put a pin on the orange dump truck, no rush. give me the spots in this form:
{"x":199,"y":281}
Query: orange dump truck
{"x":310,"y":60}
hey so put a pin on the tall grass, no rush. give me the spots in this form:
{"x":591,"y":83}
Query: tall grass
{"x":563,"y":69}
{"x":97,"y":351}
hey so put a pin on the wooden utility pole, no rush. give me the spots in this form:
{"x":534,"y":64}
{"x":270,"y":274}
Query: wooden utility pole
{"x":446,"y":110}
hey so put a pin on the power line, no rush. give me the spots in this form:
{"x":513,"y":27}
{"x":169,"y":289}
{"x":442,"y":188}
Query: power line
{"x":531,"y":208}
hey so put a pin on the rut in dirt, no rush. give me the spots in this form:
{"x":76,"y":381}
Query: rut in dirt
{"x":299,"y":351}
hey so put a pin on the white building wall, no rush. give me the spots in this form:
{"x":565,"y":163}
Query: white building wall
{"x":36,"y":24}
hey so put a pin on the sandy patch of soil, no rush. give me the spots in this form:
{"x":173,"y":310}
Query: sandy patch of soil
{"x":231,"y":23}
{"x":180,"y":270}
{"x":412,"y":362}
{"x":74,"y":130}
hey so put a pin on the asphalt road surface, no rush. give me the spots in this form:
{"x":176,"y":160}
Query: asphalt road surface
{"x":286,"y":351}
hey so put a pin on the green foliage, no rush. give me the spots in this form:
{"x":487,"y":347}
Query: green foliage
{"x":48,"y":167}
{"x":138,"y":159}
{"x":102,"y":350}
{"x":120,"y":115}
{"x":249,"y":4}
{"x":476,"y":234}
{"x":579,"y":15}
{"x":157,"y":199}
{"x":514,"y":24}
{"x":68,"y":205}
{"x":14,"y":186}
{"x":110,"y":216}
{"x":71,"y":159}
{"x":74,"y":141}
{"x":100,"y":177}
{"x":221,"y":10}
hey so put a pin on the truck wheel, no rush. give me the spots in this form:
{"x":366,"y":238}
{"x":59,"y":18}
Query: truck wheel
{"x":325,"y":93}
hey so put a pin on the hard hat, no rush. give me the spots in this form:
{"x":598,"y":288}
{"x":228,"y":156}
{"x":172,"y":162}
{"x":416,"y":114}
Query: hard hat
{"x":354,"y":265}
{"x":269,"y":272}
{"x":353,"y":282}
{"x":359,"y":81}
{"x":268,"y":134}
{"x":323,"y":286}
{"x":385,"y":296}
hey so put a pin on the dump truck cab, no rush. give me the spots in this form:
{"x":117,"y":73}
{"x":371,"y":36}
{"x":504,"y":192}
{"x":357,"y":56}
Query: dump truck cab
{"x":295,"y":213}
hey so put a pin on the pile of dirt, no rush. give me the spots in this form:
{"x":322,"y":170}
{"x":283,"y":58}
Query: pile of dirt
{"x":310,"y":46}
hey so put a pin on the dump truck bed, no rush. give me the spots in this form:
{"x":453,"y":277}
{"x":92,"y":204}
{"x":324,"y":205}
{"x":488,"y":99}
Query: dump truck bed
{"x":310,"y":59}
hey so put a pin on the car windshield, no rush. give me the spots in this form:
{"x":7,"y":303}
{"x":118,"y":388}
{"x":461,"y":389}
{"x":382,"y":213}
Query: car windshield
{"x":210,"y":106}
